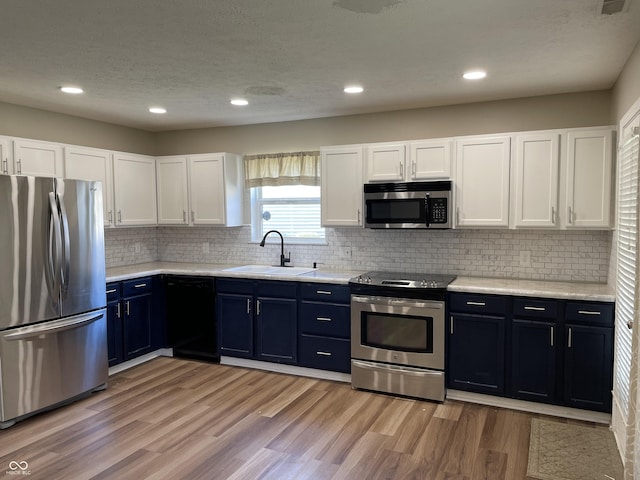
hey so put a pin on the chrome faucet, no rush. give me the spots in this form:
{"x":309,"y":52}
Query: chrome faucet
{"x":283,"y":259}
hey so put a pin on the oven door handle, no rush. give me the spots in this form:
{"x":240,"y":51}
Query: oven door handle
{"x":400,"y":302}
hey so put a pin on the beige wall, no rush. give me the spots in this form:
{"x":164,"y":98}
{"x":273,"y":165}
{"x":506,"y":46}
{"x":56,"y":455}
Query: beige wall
{"x":627,"y":88}
{"x":534,"y":113}
{"x":18,"y":121}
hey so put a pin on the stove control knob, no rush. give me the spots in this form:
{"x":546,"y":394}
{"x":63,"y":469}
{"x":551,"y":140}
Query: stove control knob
{"x":434,"y":284}
{"x":368,"y":279}
{"x":423,"y":283}
{"x":359,"y":279}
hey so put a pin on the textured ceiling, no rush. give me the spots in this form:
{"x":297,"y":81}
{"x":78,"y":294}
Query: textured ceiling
{"x":291,"y":58}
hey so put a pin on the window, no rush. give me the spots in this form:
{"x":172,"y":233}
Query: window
{"x":293,"y":210}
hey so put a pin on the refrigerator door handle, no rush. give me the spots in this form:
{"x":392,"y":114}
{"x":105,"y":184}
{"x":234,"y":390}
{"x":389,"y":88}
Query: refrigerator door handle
{"x":57,"y":240}
{"x":59,"y":326}
{"x":66,"y":250}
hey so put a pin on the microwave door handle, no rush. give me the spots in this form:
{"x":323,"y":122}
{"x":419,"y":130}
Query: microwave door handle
{"x":426,"y":209}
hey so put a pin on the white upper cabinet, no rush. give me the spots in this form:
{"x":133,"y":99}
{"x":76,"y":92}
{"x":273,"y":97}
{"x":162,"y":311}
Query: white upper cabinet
{"x":6,"y":159}
{"x":535,"y":183}
{"x":385,"y":162}
{"x":173,"y":195}
{"x":430,"y":159}
{"x":482,"y":181}
{"x":341,"y":186}
{"x":92,"y":164}
{"x":31,"y":157}
{"x":216,"y":189}
{"x":419,"y":160}
{"x":588,"y":179}
{"x":134,"y":178}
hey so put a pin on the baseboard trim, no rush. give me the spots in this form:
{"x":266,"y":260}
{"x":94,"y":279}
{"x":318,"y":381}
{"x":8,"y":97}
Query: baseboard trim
{"x":532,"y":407}
{"x":290,"y":369}
{"x":121,"y":367}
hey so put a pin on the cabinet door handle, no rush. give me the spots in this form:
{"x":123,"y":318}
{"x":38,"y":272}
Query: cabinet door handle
{"x":111,"y":290}
{"x":19,"y":166}
{"x":127,"y":304}
{"x":248,"y":306}
{"x":588,"y":312}
{"x":551,"y":335}
{"x":110,"y":217}
{"x":570,"y":216}
{"x":119,"y":216}
{"x":258,"y":307}
{"x":323,"y":319}
{"x":413,"y":169}
{"x":118,"y":313}
{"x":193,"y":216}
{"x":451,"y":318}
{"x":184,"y":216}
{"x":477,"y":304}
{"x":401,"y":169}
{"x":140,"y":285}
{"x":323,"y":292}
{"x":324,"y":354}
{"x":5,"y":166}
{"x":553,"y":215}
{"x":569,"y":339}
{"x":358,"y":215}
{"x":537,"y":309}
{"x":457,"y":215}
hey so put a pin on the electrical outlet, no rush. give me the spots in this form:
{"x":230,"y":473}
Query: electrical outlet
{"x":205,"y":247}
{"x":136,"y":247}
{"x":525,"y":258}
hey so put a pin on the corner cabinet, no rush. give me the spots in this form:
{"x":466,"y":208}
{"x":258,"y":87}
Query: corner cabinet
{"x":341,"y":188}
{"x":92,"y":164}
{"x":482,"y":181}
{"x":588,"y":179}
{"x":134,"y":189}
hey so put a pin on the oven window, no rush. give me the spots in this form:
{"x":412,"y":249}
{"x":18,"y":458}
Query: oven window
{"x":410,"y":210}
{"x":398,"y":332}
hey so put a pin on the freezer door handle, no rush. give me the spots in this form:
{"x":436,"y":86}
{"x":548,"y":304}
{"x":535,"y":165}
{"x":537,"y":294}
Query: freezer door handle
{"x":55,"y":262}
{"x":58,"y":326}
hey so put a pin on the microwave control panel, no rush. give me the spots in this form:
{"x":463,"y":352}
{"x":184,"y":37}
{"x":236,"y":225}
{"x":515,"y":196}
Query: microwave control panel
{"x":438,"y":210}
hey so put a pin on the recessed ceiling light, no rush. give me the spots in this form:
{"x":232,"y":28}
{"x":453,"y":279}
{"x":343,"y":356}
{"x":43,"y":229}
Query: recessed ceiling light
{"x":239,"y":102}
{"x":72,"y":90}
{"x":353,"y":89}
{"x":158,"y":110}
{"x":475,"y":75}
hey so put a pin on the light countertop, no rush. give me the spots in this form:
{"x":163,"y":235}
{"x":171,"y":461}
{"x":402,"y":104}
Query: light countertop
{"x":595,"y":292}
{"x":318,"y":275}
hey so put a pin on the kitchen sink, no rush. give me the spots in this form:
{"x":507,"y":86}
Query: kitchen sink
{"x":269,"y":270}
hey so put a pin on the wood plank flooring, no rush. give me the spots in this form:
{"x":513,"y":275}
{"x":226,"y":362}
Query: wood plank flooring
{"x":180,"y":419}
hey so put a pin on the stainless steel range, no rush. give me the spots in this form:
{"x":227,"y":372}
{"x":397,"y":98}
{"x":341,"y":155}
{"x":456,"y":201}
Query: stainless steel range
{"x":397,"y":333}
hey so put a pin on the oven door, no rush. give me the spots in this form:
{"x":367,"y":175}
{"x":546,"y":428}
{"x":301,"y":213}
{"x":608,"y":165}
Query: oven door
{"x":398,"y":331}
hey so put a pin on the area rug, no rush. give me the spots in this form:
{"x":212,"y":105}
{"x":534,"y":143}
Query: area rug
{"x":562,"y":451}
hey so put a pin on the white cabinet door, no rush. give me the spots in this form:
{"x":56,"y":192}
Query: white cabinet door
{"x":173,"y":195}
{"x":430,"y":159}
{"x":589,"y":169}
{"x":385,"y":162}
{"x":134,"y":178}
{"x":482,"y":182}
{"x":41,"y":159}
{"x":206,"y":177}
{"x":341,"y":186}
{"x":92,"y":164}
{"x":536,"y":165}
{"x":6,"y":160}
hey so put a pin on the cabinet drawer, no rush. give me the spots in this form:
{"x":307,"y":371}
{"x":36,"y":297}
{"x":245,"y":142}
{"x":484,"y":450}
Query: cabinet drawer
{"x":590,"y":313}
{"x":325,"y":353}
{"x":137,"y":286}
{"x":525,"y":307}
{"x":326,"y":292}
{"x":113,"y":291}
{"x":235,"y":285}
{"x":477,"y":303}
{"x":277,"y":289}
{"x":325,"y":319}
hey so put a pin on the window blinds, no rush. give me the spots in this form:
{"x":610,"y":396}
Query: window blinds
{"x":627,"y":265}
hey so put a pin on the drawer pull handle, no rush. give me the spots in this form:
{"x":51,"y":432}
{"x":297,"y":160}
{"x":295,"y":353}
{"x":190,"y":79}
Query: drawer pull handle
{"x":323,"y":292}
{"x":551,"y":336}
{"x":569,"y":339}
{"x":324,"y":354}
{"x":537,"y":309}
{"x":588,"y":312}
{"x":112,"y":290}
{"x":323,"y":319}
{"x":140,"y":285}
{"x":477,"y":304}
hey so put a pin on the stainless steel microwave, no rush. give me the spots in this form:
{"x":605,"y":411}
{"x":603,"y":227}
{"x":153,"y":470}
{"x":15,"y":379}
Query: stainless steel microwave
{"x":408,"y":205}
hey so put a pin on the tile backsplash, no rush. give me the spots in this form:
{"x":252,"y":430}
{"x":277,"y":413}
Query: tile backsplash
{"x":548,"y":255}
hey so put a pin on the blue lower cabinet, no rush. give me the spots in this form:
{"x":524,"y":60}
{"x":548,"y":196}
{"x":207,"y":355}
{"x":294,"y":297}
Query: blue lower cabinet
{"x":277,"y":332}
{"x":325,"y":353}
{"x":235,"y":324}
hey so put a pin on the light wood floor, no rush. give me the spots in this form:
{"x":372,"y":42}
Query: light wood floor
{"x":178,"y":419}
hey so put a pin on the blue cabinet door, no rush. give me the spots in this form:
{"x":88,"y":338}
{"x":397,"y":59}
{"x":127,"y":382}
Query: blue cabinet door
{"x":114,"y":333}
{"x":476,"y":353}
{"x":533,"y":360}
{"x":235,"y":324}
{"x":588,"y":367}
{"x":277,"y":334}
{"x":137,"y":325}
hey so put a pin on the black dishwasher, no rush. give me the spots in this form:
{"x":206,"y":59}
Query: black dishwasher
{"x":191,"y":317}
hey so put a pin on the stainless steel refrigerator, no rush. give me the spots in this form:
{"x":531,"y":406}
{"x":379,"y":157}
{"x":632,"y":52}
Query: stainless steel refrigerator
{"x":53,"y":339}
